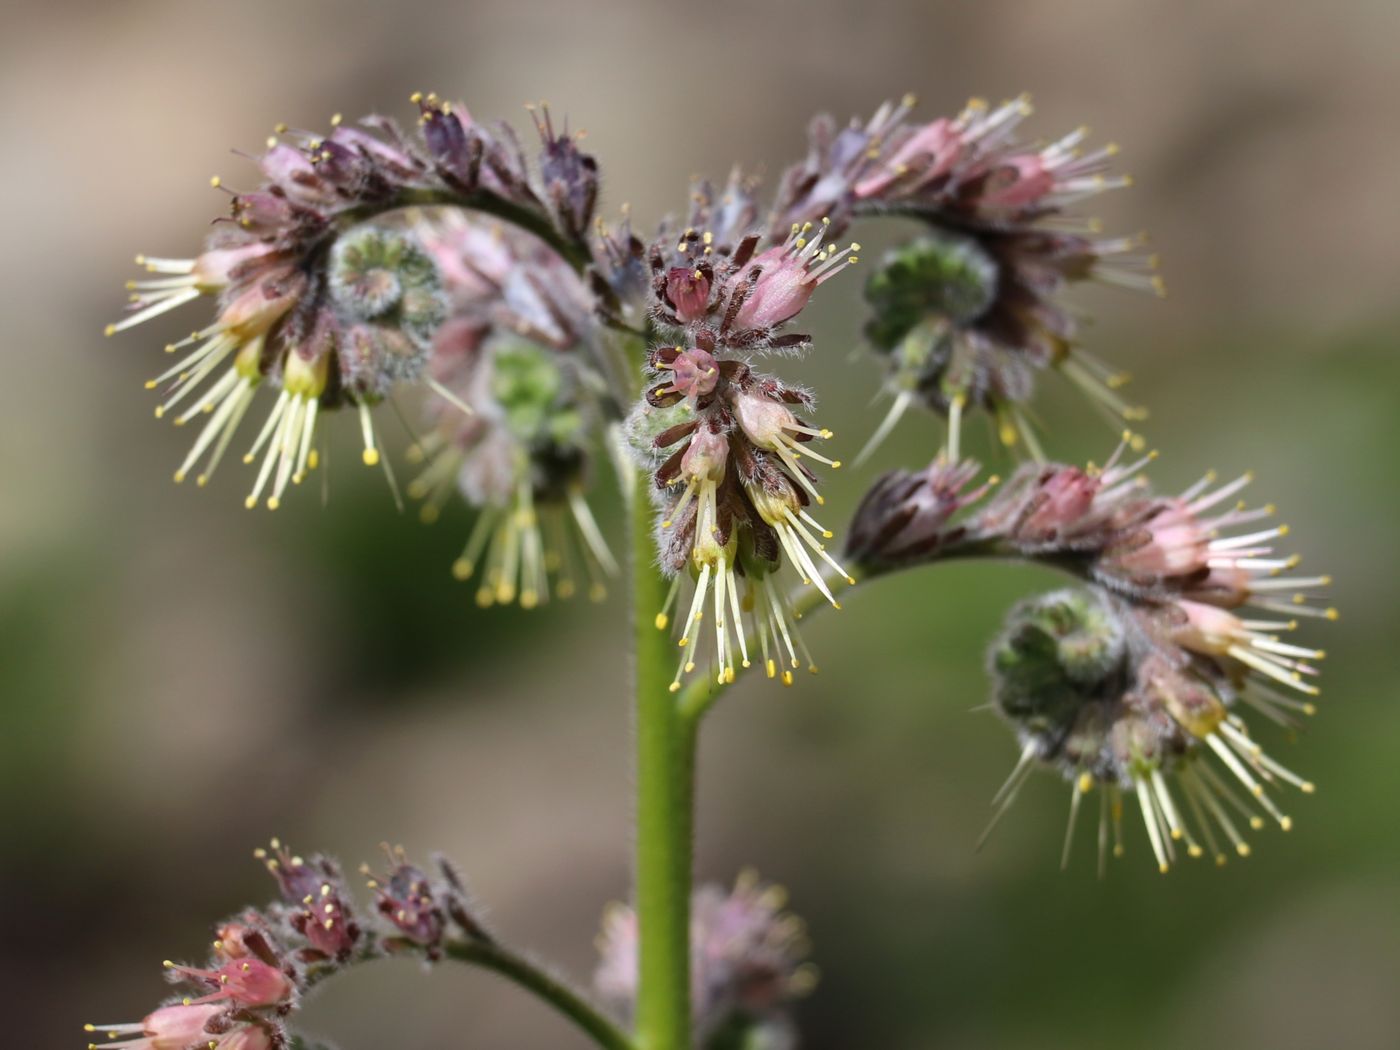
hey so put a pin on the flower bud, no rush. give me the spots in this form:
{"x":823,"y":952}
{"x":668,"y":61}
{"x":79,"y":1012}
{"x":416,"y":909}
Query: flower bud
{"x":1054,"y":657}
{"x":904,"y":517}
{"x":688,"y":292}
{"x":176,"y":1027}
{"x":415,"y":908}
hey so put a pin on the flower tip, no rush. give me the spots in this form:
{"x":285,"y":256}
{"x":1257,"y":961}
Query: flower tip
{"x":1242,"y":849}
{"x":1164,"y":867}
{"x":109,"y":330}
{"x":662,"y":621}
{"x":370,"y":456}
{"x":273,"y":503}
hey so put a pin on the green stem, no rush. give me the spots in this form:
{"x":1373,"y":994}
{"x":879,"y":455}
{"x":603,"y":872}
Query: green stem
{"x":531,"y":220}
{"x":521,"y":971}
{"x":665,"y":800}
{"x":493,"y":956}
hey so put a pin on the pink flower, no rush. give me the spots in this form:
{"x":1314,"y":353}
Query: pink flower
{"x":688,"y":289}
{"x":781,"y":280}
{"x":169,"y":1028}
{"x":245,"y":982}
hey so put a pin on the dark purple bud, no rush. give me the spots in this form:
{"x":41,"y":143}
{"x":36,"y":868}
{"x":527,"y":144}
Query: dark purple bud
{"x":905,"y":516}
{"x":455,"y":148}
{"x":570,"y":176}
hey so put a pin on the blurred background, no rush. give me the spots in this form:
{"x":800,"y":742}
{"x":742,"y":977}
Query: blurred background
{"x":181,"y":678}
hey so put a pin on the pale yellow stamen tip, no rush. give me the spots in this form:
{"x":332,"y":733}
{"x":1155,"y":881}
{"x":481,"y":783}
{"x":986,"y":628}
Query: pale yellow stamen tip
{"x":1164,"y":867}
{"x":835,"y":464}
{"x":662,"y":621}
{"x":675,"y":687}
{"x":1307,"y":787}
{"x":1242,"y":849}
{"x":1286,"y":823}
{"x":370,"y":457}
{"x":273,"y":503}
{"x":462,"y":568}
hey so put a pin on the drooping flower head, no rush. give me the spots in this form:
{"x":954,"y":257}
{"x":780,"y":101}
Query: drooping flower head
{"x":964,"y":315}
{"x":1157,"y":713}
{"x":319,"y":302}
{"x":748,"y":958}
{"x":1137,"y":684}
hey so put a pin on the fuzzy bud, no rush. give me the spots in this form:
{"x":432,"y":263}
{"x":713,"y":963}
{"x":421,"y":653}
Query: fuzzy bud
{"x":1055,"y":655}
{"x":904,"y":517}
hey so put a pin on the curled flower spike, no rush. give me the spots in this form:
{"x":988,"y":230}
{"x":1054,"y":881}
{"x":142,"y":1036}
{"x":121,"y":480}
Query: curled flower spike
{"x":1138,"y":686}
{"x":748,"y":957}
{"x":331,"y":308}
{"x":965,"y":315}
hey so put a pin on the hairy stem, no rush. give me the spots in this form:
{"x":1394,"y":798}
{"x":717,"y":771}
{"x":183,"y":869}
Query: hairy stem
{"x":521,"y":971}
{"x":665,"y":800}
{"x":531,"y":220}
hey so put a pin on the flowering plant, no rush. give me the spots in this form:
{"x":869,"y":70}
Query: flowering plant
{"x":549,"y":343}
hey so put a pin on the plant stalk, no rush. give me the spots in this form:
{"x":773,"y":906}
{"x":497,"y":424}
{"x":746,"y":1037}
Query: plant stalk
{"x":665,"y":801}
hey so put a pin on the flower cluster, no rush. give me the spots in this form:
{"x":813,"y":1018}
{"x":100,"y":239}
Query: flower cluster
{"x":965,"y":314}
{"x":519,"y":358}
{"x":748,"y":963}
{"x":328,"y":307}
{"x":1134,"y":683}
{"x":262,"y":962}
{"x":726,"y":443}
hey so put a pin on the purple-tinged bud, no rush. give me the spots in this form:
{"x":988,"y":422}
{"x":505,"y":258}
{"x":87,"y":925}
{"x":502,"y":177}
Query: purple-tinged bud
{"x":409,"y":901}
{"x":570,"y":176}
{"x":688,"y":291}
{"x":176,"y":1027}
{"x":1059,"y":499}
{"x":291,"y":171}
{"x":454,"y":147}
{"x":904,"y":517}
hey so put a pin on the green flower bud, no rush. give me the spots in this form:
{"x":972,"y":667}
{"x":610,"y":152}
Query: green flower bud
{"x":940,"y":277}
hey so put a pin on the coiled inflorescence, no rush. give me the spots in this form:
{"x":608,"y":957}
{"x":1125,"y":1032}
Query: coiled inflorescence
{"x":1138,"y":682}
